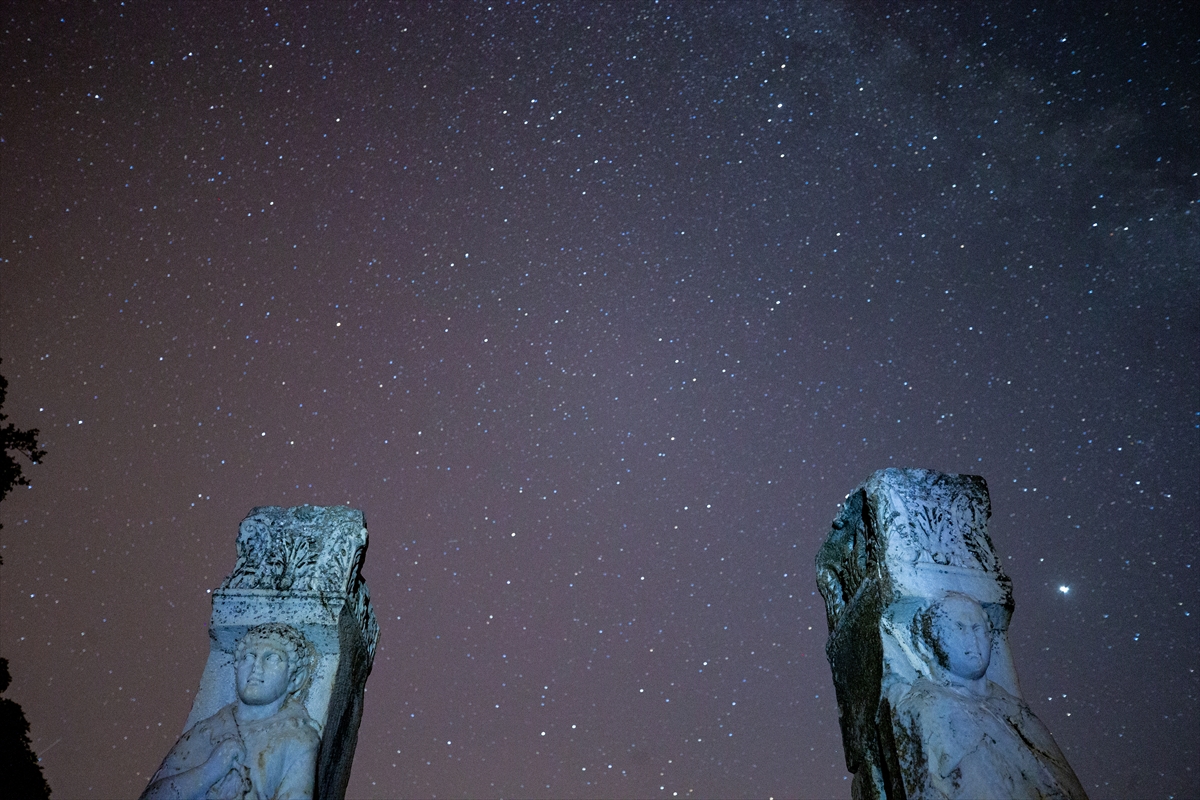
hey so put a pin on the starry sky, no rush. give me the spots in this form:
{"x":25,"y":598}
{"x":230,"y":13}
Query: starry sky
{"x":598,"y":311}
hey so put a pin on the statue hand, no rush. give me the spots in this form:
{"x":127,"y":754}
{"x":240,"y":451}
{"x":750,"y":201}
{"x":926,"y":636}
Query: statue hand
{"x":228,"y":753}
{"x":234,"y":786}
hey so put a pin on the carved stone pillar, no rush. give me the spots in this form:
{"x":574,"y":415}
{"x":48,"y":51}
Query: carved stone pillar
{"x":299,"y":567}
{"x":918,"y":609}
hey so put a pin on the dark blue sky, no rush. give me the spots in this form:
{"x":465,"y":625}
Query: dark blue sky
{"x":598,"y":313}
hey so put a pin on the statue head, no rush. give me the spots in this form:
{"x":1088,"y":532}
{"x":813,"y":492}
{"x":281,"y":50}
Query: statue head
{"x":955,"y":632}
{"x":273,"y":662}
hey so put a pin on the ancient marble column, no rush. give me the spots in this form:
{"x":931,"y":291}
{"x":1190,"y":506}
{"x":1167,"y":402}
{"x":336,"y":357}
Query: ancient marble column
{"x":292,"y":640}
{"x":918,"y":609}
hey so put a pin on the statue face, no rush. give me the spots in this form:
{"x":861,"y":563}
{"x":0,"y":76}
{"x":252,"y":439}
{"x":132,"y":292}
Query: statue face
{"x":263,"y":673}
{"x":964,"y":634}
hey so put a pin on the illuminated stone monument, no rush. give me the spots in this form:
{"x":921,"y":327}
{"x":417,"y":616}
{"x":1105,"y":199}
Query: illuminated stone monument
{"x":293,"y":637}
{"x":918,"y":610}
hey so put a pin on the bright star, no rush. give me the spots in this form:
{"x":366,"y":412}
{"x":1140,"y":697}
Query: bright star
{"x":1064,"y":589}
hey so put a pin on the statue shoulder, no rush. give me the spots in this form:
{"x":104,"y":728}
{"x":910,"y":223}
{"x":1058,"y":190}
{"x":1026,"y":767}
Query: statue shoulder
{"x":919,"y":696}
{"x":215,"y":727}
{"x":197,"y":742}
{"x":293,"y":720}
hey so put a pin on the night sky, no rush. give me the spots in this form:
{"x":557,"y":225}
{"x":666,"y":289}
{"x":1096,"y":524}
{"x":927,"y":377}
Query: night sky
{"x":598,"y":312}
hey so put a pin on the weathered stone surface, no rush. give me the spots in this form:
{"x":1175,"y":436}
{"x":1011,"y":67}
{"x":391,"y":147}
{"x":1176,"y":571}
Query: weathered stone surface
{"x":918,"y":609}
{"x":297,"y":568}
{"x":262,"y":745}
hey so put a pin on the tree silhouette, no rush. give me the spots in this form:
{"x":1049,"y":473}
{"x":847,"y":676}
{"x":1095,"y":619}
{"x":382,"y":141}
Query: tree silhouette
{"x":23,"y":442}
{"x":22,"y":775}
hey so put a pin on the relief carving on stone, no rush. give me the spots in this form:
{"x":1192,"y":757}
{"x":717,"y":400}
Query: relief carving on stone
{"x":918,"y":608}
{"x":297,"y":607}
{"x":263,"y":745}
{"x":305,"y":548}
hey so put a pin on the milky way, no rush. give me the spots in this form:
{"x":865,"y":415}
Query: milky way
{"x":598,"y":311}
